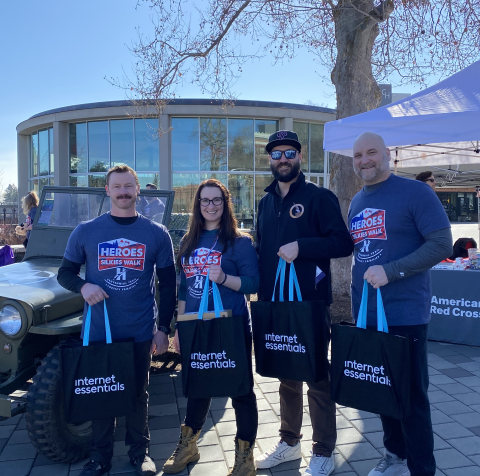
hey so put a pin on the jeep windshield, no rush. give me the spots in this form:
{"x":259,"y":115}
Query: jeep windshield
{"x":66,"y":209}
{"x":61,"y":209}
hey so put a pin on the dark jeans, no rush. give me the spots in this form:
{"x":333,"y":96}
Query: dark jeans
{"x":246,"y":415}
{"x":245,"y":406}
{"x":138,"y":435}
{"x":321,"y":407}
{"x":412,"y":437}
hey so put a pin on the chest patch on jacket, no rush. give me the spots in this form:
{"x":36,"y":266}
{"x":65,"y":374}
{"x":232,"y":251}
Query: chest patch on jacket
{"x":297,"y":210}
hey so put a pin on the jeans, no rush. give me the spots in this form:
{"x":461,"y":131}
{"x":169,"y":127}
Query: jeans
{"x":245,"y":406}
{"x":138,"y":435}
{"x":321,"y":407}
{"x":412,"y":437}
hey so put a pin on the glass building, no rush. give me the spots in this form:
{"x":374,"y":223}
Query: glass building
{"x":193,"y":140}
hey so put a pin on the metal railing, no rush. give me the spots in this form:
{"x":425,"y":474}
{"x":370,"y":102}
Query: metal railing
{"x":8,"y":215}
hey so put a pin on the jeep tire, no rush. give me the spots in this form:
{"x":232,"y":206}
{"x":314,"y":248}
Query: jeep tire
{"x":46,"y":425}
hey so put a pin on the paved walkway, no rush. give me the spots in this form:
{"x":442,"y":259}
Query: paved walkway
{"x":454,"y":395}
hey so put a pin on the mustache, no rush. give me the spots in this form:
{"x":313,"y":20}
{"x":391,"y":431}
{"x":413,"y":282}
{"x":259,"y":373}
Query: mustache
{"x":123,"y":196}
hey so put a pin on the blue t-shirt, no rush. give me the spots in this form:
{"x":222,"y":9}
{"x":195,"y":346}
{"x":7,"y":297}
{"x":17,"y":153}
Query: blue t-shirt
{"x":30,"y":218}
{"x":387,"y":223}
{"x":238,"y":260}
{"x":154,"y":208}
{"x":121,"y":259}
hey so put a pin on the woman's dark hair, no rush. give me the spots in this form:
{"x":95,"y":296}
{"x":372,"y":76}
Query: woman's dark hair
{"x":228,"y":223}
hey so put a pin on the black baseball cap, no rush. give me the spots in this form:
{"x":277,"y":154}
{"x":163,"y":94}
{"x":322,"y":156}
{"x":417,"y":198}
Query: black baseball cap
{"x":283,"y":138}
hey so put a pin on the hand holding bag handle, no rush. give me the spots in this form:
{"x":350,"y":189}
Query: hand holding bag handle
{"x":292,"y":281}
{"x":217,"y":300}
{"x":362,"y":312}
{"x":88,"y":320}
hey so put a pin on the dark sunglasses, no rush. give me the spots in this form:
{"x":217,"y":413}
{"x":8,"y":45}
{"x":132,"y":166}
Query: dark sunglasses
{"x":430,"y":180}
{"x":289,"y":154}
{"x":217,"y":201}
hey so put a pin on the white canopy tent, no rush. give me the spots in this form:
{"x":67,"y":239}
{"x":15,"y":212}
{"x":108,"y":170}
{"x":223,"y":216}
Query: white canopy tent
{"x":439,"y":126}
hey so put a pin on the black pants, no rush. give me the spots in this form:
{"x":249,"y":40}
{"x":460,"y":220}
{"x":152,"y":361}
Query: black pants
{"x":138,"y":435}
{"x":245,"y":406}
{"x":320,"y":405}
{"x":412,"y":437}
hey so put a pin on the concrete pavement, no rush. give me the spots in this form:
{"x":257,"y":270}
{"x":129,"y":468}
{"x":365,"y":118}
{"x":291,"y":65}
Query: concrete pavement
{"x":454,"y":396}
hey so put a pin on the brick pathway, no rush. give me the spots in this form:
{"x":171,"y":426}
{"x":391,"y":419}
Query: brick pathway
{"x":454,"y":396}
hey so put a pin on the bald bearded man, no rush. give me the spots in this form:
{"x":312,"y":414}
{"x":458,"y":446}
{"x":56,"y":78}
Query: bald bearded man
{"x":412,"y":234}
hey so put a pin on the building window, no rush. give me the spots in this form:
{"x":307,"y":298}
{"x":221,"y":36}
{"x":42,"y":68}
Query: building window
{"x":311,"y":138}
{"x":95,"y":146}
{"x":41,"y":159}
{"x":229,"y":150}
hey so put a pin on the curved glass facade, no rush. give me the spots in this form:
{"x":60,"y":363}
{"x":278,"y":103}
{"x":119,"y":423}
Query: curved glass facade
{"x":232,"y":150}
{"x":41,"y":161}
{"x":95,"y":146}
{"x":229,"y":149}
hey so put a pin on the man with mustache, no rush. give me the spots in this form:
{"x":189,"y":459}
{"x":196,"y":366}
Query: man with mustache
{"x":400,"y":231}
{"x":299,"y":221}
{"x":121,"y":251}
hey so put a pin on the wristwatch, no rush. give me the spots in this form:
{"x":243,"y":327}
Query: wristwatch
{"x":164,"y":329}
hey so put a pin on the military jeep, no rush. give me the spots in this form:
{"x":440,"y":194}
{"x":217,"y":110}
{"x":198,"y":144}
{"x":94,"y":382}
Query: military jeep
{"x":37,"y":314}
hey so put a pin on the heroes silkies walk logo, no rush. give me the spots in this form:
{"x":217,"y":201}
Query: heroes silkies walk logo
{"x":122,"y":255}
{"x":368,"y":225}
{"x":197,"y":268}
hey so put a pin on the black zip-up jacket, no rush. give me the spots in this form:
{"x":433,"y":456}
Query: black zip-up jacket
{"x":320,"y":232}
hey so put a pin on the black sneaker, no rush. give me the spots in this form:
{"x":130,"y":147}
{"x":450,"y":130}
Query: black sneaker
{"x":144,"y":465}
{"x":95,"y":468}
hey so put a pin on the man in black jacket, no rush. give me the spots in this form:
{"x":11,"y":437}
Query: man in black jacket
{"x":299,"y":221}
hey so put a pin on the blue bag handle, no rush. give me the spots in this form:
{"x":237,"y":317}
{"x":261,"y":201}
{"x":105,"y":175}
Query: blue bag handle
{"x":88,"y":320}
{"x":292,"y":281}
{"x":280,"y":273}
{"x":217,"y":300}
{"x":362,"y":312}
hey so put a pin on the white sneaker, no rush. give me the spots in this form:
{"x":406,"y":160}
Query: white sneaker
{"x":280,"y":453}
{"x":390,"y":465}
{"x":320,"y":465}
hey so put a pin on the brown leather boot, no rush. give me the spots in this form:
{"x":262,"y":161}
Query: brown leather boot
{"x":185,"y":452}
{"x":244,"y":462}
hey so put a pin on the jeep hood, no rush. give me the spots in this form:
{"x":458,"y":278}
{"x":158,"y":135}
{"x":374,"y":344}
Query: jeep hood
{"x":34,"y":282}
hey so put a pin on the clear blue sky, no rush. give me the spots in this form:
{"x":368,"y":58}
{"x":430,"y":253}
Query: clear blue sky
{"x":56,"y":53}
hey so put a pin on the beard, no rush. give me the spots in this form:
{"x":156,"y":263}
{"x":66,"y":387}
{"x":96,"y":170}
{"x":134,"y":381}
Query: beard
{"x":286,"y":176}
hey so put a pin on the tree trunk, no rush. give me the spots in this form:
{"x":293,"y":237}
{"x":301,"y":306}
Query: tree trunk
{"x":357,"y":92}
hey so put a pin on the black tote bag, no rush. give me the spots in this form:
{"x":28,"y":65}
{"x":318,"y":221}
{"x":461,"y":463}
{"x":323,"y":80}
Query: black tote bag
{"x":98,"y":379}
{"x":290,"y":337}
{"x":371,"y":369}
{"x":214,"y":351}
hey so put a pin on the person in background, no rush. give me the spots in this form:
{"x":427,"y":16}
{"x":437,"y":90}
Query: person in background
{"x":428,"y":178}
{"x":29,"y":205}
{"x":412,"y":235}
{"x":154,"y":205}
{"x":214,"y":242}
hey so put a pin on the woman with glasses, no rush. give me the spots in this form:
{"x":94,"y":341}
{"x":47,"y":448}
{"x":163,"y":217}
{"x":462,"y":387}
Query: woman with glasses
{"x":214,"y":242}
